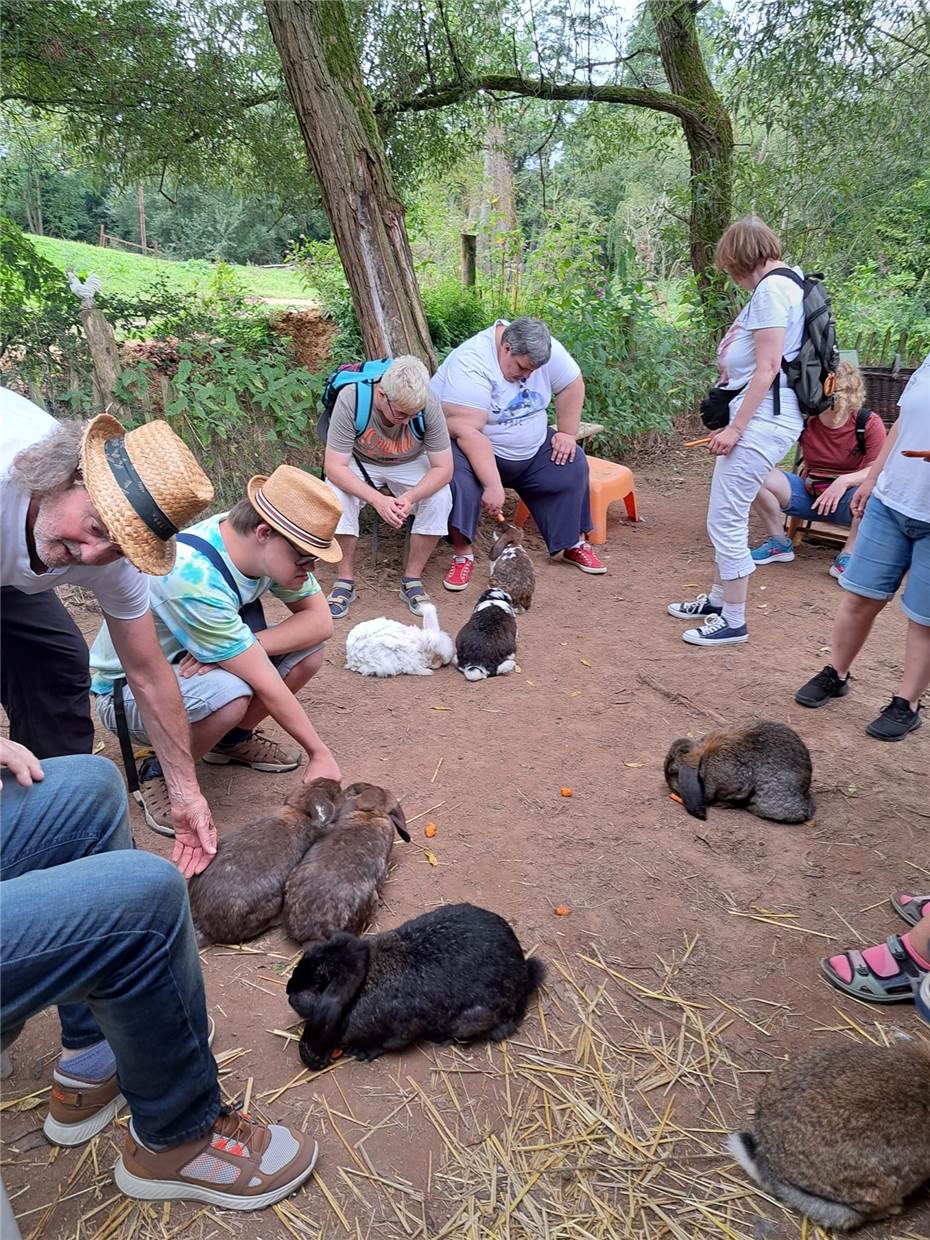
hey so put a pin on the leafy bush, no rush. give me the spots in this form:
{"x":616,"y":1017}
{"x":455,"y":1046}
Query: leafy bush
{"x":640,"y":370}
{"x":879,"y":312}
{"x":321,"y":268}
{"x":242,"y":412}
{"x":454,"y":312}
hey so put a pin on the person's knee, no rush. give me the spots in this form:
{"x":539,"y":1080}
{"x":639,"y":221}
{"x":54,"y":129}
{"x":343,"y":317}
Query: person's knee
{"x":152,"y":892}
{"x":301,"y":672}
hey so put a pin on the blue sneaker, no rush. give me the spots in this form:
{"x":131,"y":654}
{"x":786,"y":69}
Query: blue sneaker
{"x":773,"y":551}
{"x":693,"y":609}
{"x":715,"y":632}
{"x":838,"y":567}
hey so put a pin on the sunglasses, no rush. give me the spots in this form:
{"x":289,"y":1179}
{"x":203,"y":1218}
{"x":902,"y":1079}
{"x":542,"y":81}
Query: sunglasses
{"x":301,"y":559}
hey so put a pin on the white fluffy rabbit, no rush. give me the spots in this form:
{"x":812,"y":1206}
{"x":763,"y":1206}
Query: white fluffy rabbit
{"x":385,"y":647}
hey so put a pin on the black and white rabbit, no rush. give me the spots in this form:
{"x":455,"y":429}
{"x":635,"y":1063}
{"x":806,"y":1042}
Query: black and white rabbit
{"x":511,"y":566}
{"x":763,"y":766}
{"x":240,"y":894}
{"x":457,"y":973}
{"x":486,"y":645}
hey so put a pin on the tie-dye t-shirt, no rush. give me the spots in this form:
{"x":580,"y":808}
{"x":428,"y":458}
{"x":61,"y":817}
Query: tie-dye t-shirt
{"x":195,"y":610}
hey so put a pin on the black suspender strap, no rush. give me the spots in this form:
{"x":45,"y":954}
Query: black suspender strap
{"x":125,"y":742}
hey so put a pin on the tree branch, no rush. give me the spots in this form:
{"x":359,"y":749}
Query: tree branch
{"x":639,"y":97}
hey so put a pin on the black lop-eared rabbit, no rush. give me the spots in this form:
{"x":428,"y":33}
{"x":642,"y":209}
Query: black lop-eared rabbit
{"x":457,"y":973}
{"x":486,"y":645}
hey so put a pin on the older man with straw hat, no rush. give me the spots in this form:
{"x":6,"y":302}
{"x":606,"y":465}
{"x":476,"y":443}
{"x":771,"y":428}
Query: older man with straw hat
{"x":91,"y":504}
{"x":233,"y":668}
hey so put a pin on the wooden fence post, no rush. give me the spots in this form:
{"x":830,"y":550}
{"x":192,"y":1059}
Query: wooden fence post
{"x":105,"y":357}
{"x":102,"y":239}
{"x":469,"y":250}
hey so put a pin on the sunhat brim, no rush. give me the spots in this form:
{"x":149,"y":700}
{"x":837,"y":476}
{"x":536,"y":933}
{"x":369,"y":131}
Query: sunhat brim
{"x":140,"y":546}
{"x":330,"y":554}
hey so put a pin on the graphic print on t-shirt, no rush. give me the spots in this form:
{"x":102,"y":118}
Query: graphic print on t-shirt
{"x":375,"y":444}
{"x":525,"y":404}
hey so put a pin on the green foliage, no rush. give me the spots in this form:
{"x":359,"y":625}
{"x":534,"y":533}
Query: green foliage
{"x":640,"y":369}
{"x":453,"y":313}
{"x":882,"y":313}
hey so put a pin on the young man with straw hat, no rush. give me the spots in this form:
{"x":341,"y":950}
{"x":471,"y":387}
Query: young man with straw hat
{"x":92,"y":504}
{"x":232,"y":670}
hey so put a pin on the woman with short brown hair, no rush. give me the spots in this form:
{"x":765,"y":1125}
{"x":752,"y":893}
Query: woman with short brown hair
{"x":761,"y":429}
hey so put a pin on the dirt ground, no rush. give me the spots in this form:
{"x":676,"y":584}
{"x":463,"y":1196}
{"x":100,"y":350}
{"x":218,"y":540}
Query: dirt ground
{"x":685,"y":971}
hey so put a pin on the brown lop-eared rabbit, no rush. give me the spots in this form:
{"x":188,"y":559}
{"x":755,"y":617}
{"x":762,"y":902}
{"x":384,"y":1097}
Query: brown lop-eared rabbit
{"x":336,"y":885}
{"x":240,"y":894}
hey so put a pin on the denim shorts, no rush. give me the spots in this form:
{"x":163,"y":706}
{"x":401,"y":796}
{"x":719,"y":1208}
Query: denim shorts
{"x":889,"y":546}
{"x":202,"y":695}
{"x":801,"y":503}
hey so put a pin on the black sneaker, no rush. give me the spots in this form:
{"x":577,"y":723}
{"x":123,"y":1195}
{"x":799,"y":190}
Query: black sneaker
{"x":895,"y":721}
{"x":822,"y":687}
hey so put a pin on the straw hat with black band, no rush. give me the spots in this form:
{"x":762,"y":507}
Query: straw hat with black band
{"x":301,"y":507}
{"x":146,"y":486}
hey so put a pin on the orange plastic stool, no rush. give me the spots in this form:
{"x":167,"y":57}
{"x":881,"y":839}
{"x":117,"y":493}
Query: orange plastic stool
{"x":608,"y":481}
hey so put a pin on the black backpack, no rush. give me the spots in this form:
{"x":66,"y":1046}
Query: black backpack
{"x":812,"y":374}
{"x":362,"y":376}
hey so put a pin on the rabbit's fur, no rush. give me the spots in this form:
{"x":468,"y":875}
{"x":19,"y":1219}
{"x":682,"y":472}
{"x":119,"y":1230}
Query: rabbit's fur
{"x":486,"y":645}
{"x":511,"y":566}
{"x":385,"y":647}
{"x":240,"y":894}
{"x":763,"y":766}
{"x":456,"y":973}
{"x":843,"y":1133}
{"x":336,"y":885}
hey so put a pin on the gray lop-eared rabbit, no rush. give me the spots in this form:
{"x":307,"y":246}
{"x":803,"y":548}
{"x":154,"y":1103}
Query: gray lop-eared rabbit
{"x":511,"y":566}
{"x":456,"y":973}
{"x":335,"y":887}
{"x":842,"y":1134}
{"x":240,"y":894}
{"x":764,"y":767}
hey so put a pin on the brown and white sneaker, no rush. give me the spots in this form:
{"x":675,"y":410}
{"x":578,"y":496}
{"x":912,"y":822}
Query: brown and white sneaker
{"x":259,"y":752}
{"x":78,"y":1109}
{"x":237,"y":1165}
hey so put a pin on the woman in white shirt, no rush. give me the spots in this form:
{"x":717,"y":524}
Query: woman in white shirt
{"x":762,"y":428}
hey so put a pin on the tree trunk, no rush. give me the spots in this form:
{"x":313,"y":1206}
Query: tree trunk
{"x":498,"y":216}
{"x":709,"y":136}
{"x":333,"y":109}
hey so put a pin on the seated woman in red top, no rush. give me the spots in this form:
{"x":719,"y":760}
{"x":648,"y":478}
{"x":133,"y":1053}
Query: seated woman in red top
{"x":838,"y":447}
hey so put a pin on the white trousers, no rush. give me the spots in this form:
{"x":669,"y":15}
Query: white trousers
{"x":736,"y":482}
{"x":431,"y":515}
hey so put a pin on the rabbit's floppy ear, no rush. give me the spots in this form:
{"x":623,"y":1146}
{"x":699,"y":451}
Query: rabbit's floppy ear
{"x":324,"y":985}
{"x":396,"y":815}
{"x":691,"y":787}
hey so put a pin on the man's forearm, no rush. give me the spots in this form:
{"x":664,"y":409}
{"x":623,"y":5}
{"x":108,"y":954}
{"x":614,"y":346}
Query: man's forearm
{"x":297,"y":632}
{"x":879,"y":463}
{"x":480,"y":454}
{"x":287,"y":711}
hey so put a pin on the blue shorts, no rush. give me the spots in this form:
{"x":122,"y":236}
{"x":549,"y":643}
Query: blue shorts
{"x":801,"y":503}
{"x":201,"y":695}
{"x":889,"y":546}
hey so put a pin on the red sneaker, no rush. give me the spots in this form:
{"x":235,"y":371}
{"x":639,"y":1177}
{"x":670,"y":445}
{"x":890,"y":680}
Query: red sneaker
{"x":583,"y":557}
{"x":459,"y":574}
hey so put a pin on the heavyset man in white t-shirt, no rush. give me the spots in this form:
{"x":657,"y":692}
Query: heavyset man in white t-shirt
{"x":495,"y":390}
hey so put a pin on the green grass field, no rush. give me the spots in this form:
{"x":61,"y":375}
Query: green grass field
{"x":128,"y":274}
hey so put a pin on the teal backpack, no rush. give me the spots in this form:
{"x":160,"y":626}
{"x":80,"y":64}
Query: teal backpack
{"x":363,"y":375}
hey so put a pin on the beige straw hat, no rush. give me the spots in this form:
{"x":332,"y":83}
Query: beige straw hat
{"x":146,"y":485}
{"x":300,"y":507}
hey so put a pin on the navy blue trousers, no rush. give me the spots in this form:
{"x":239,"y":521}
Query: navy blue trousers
{"x":556,"y":495}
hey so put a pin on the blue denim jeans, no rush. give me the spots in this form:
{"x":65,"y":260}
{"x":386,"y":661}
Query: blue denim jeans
{"x":105,"y":932}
